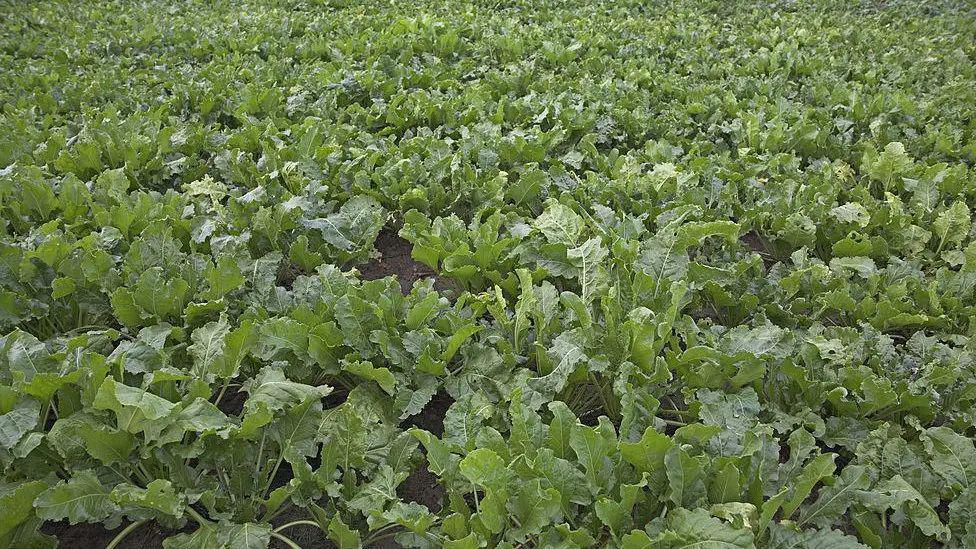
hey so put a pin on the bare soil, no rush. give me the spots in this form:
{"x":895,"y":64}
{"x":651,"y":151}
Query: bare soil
{"x":92,"y":536}
{"x":394,"y":260}
{"x":753,"y":242}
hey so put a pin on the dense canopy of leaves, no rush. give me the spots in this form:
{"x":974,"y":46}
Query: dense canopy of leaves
{"x":707,"y":272}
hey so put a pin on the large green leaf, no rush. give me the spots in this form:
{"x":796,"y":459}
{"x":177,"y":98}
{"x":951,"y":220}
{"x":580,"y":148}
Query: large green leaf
{"x":17,"y":500}
{"x":136,"y":410}
{"x":82,"y":498}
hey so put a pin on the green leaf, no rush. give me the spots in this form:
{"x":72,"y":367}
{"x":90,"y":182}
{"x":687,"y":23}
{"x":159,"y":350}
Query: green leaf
{"x":818,"y":468}
{"x":412,"y":516}
{"x":834,"y":500}
{"x":246,"y":536}
{"x":136,"y":410}
{"x":647,"y":455}
{"x":355,"y":225}
{"x":760,"y":341}
{"x":365,"y":369}
{"x":15,"y":424}
{"x":484,"y":467}
{"x":283,"y":333}
{"x":62,"y":287}
{"x":863,"y":266}
{"x":560,"y":224}
{"x":526,"y":188}
{"x":852,"y":212}
{"x":527,"y":432}
{"x":470,"y":541}
{"x":534,"y":507}
{"x":575,"y":538}
{"x":124,"y":307}
{"x":461,"y":335}
{"x":236,"y":345}
{"x":465,"y":417}
{"x":726,"y":485}
{"x":694,"y":233}
{"x":113,"y":183}
{"x":891,"y":162}
{"x":296,"y":432}
{"x":16,"y":500}
{"x":637,"y":540}
{"x":735,"y":413}
{"x":82,"y":498}
{"x":106,"y":444}
{"x":412,"y":400}
{"x":686,"y":483}
{"x":953,"y":457}
{"x":952,"y":224}
{"x":564,"y":476}
{"x":343,"y":536}
{"x":560,"y":429}
{"x":27,"y":357}
{"x":662,"y":260}
{"x":896,"y":493}
{"x":618,"y":515}
{"x":422,"y":311}
{"x":492,"y":512}
{"x":588,"y":258}
{"x":222,"y":278}
{"x":785,"y":537}
{"x":962,"y":518}
{"x":202,"y":416}
{"x":204,"y":537}
{"x":208,"y":345}
{"x":158,"y":297}
{"x":303,"y":255}
{"x":271,"y":389}
{"x":696,"y":528}
{"x":595,"y":448}
{"x":159,"y":495}
{"x":565,"y":353}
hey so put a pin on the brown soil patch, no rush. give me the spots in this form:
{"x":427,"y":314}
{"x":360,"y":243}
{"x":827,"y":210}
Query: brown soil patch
{"x":95,"y":536}
{"x":752,"y":241}
{"x":395,"y":261}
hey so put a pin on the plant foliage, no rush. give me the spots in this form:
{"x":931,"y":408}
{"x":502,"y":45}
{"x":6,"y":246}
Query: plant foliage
{"x":706,"y":272}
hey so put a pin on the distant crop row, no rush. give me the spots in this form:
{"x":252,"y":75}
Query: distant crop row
{"x":706,"y":273}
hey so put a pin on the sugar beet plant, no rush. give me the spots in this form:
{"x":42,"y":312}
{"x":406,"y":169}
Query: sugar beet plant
{"x":705,"y":273}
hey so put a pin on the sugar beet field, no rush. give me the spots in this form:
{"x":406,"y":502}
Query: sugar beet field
{"x":512,"y":274}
